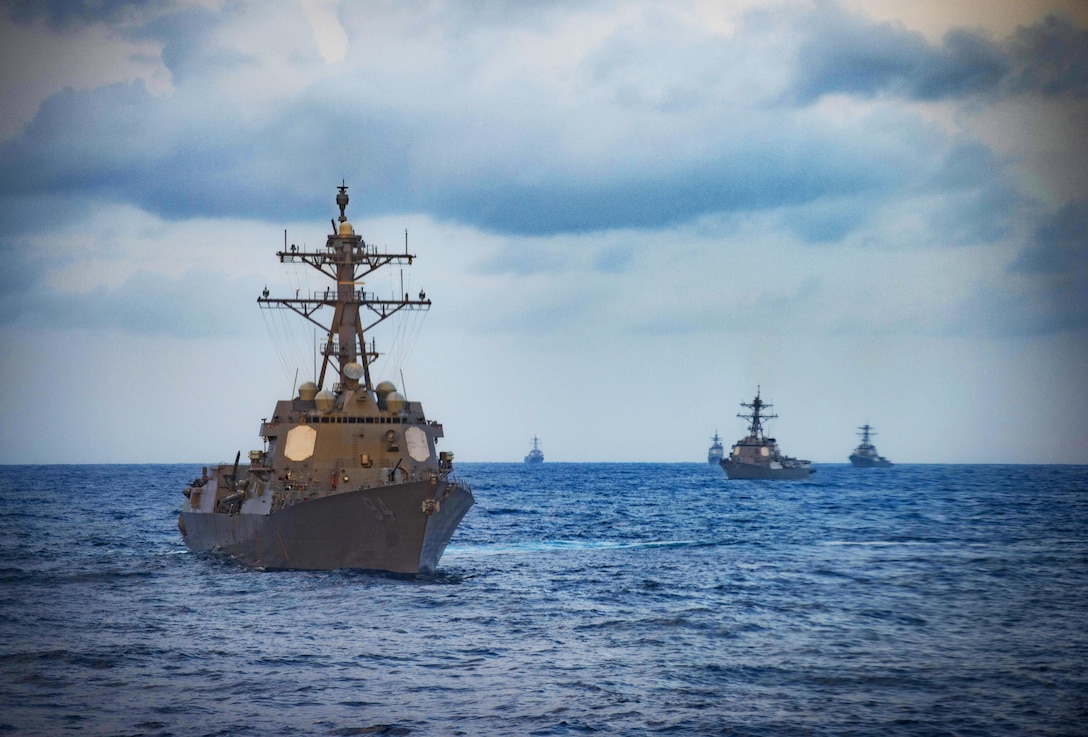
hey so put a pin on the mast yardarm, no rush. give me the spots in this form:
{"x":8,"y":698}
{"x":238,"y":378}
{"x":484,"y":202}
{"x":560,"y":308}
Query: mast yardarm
{"x":755,"y":429}
{"x":866,"y":434}
{"x":347,"y":259}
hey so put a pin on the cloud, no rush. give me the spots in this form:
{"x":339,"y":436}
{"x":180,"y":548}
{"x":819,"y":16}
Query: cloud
{"x":525,"y":170}
{"x":91,"y":265}
{"x":191,"y":304}
{"x":41,"y":59}
{"x":329,"y":34}
{"x":546,"y":127}
{"x":1050,"y":57}
{"x":1061,"y":242}
{"x":847,"y":54}
{"x":1057,"y":264}
{"x":68,"y":13}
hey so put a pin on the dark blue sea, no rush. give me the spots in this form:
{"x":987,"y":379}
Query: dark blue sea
{"x":576,"y":599}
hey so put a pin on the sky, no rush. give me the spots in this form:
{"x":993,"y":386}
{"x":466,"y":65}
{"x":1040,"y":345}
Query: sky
{"x":629,"y":216}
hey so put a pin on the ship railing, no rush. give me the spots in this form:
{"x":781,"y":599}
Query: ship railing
{"x":330,"y":295}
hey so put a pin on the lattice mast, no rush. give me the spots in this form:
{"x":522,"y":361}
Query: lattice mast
{"x":347,"y":260}
{"x":756,"y":418}
{"x":867,"y":432}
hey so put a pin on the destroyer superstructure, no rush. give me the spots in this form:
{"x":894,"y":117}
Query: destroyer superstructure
{"x":348,"y":476}
{"x":756,"y":456}
{"x":536,"y":455}
{"x":717,"y":450}
{"x":865,"y":455}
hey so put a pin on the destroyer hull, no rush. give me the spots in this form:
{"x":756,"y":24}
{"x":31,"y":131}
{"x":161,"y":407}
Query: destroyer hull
{"x":384,"y":528}
{"x":738,"y":470}
{"x":866,"y":462}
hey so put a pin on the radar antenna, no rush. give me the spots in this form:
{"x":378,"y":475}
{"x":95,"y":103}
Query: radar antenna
{"x":346,"y":259}
{"x":756,"y":418}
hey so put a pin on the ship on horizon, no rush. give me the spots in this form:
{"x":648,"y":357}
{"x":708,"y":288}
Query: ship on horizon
{"x":756,"y":456}
{"x":865,"y":455}
{"x":536,"y":455}
{"x":717,"y":451}
{"x":348,"y":476}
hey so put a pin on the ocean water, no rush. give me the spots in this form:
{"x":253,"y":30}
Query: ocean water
{"x":576,"y":599}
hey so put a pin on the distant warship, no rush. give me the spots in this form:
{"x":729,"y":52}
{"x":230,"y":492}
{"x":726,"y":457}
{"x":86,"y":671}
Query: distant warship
{"x":756,"y":456}
{"x":717,"y":452}
{"x":865,"y":455}
{"x":348,"y":476}
{"x":536,"y":455}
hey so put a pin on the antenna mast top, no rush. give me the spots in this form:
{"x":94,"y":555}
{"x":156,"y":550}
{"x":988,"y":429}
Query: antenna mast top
{"x":342,"y":200}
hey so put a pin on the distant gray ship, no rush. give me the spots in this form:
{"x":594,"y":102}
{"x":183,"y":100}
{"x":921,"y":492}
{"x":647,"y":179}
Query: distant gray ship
{"x":717,"y":452}
{"x":536,"y":455}
{"x":756,"y":456}
{"x":348,"y":476}
{"x":865,"y":455}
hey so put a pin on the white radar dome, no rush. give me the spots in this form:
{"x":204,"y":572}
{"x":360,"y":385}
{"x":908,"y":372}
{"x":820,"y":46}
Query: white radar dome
{"x":307,"y":391}
{"x":325,"y":400}
{"x":394,"y":402}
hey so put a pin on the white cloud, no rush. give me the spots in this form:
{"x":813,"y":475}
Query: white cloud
{"x":40,"y":61}
{"x":329,"y":34}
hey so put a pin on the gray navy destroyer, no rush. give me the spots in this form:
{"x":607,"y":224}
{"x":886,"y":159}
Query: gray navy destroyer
{"x":717,"y":451}
{"x":865,"y":455}
{"x":536,"y":455}
{"x":756,"y":456}
{"x":349,"y":476}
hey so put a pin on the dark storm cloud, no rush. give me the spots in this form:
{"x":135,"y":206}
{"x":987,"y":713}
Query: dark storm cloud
{"x":1051,"y":57}
{"x":100,"y":140}
{"x":569,"y":204}
{"x":68,"y":13}
{"x":179,"y":160}
{"x":680,"y":144}
{"x":847,"y":54}
{"x":1061,"y":243}
{"x":170,"y":158}
{"x":20,"y":279}
{"x":190,"y":48}
{"x":1057,"y":263}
